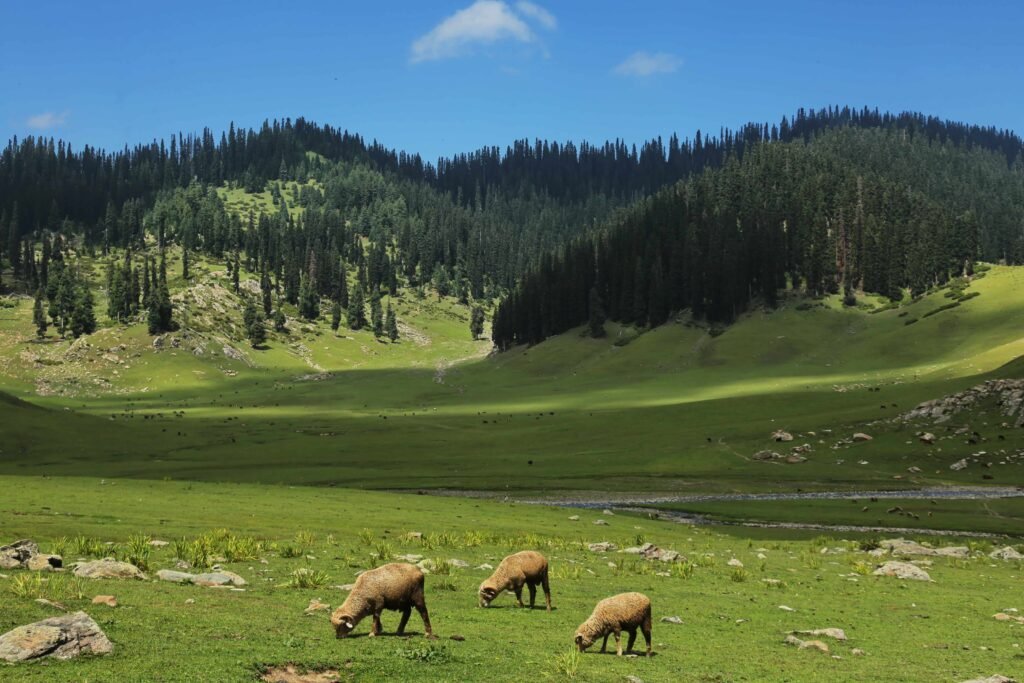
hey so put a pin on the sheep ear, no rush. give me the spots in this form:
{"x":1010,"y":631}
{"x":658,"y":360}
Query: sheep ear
{"x":579,"y":639}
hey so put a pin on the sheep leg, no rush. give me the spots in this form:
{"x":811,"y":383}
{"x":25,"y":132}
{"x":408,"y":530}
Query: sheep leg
{"x":632,"y":639}
{"x":406,"y":611}
{"x":618,"y":641}
{"x":533,"y":593}
{"x":376,"y":629}
{"x":646,"y":628}
{"x":519,"y":595}
{"x":547,"y":588}
{"x":421,"y":607}
{"x":604,"y":643}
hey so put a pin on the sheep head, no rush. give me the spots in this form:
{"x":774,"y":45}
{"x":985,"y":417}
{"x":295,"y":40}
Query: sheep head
{"x":343,"y":624}
{"x":487,"y":593}
{"x":583,"y":641}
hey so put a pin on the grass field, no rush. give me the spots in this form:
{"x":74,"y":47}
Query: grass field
{"x":674,"y":409}
{"x":997,"y":516}
{"x":732,"y":627}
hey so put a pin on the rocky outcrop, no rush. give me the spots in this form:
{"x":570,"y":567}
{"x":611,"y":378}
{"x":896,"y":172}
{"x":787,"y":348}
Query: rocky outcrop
{"x":220,"y":577}
{"x":1007,"y":553}
{"x":902,"y":570}
{"x":17,"y":554}
{"x":62,"y":637}
{"x":649,"y":551}
{"x":902,"y":547}
{"x":108,"y":569}
{"x":1008,"y":392}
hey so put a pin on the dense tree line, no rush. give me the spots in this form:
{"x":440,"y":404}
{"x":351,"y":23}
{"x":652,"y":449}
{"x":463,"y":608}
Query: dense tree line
{"x":850,"y":209}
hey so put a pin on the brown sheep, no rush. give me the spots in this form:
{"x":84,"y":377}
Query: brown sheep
{"x":396,"y":586}
{"x":623,"y":612}
{"x":528,"y":567}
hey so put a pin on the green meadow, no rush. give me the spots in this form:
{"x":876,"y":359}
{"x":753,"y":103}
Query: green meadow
{"x":734,"y":619}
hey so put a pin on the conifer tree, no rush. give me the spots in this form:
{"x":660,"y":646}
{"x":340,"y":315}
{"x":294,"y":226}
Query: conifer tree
{"x":376,"y":314}
{"x":39,"y":316}
{"x":335,"y":316}
{"x":391,"y":324}
{"x":596,"y":315}
{"x":252,"y":318}
{"x":265,"y":291}
{"x":476,"y":322}
{"x":356,"y":309}
{"x":83,"y":317}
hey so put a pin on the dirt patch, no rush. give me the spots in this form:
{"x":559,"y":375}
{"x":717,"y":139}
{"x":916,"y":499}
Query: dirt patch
{"x":290,"y":673}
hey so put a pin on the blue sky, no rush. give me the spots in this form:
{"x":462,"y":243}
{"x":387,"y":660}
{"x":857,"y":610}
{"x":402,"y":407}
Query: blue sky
{"x":444,"y":77}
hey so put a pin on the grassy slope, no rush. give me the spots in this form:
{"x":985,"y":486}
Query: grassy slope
{"x":732,"y":629}
{"x":674,"y":409}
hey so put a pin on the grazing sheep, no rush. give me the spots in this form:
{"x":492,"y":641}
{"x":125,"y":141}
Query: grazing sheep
{"x":623,"y":612}
{"x":528,"y":567}
{"x":396,"y":586}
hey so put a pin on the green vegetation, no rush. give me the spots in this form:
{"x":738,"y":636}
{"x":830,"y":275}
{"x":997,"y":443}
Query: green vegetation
{"x":231,"y":635}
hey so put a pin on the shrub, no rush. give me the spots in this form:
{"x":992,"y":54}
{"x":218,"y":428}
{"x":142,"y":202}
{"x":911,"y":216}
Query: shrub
{"x":739,"y":575}
{"x":29,"y":586}
{"x":428,"y":653}
{"x":568,"y":663}
{"x":137,"y":551}
{"x":306,"y":577}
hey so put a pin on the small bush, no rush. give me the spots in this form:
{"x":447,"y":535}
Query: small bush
{"x":289,"y":551}
{"x":137,"y":551}
{"x":428,"y":653}
{"x":739,"y":575}
{"x":910,"y":321}
{"x":306,"y":577}
{"x":366,"y":537}
{"x":28,"y":586}
{"x":90,"y":547}
{"x":445,"y":584}
{"x":305,"y":539}
{"x":940,"y":309}
{"x":568,"y":664}
{"x":60,"y":546}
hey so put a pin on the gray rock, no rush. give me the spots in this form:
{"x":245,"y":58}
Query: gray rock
{"x":17,"y":554}
{"x":992,"y":679}
{"x":62,"y":637}
{"x":902,"y":570}
{"x":602,"y":547}
{"x":781,"y":435}
{"x":836,"y":633}
{"x":108,"y":569}
{"x":173,"y":576}
{"x":671,"y":620}
{"x":1007,"y":553}
{"x":44,"y":563}
{"x":458,"y":564}
{"x":600,"y":522}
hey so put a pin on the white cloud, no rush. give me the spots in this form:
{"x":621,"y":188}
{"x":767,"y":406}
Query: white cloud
{"x":538,"y":13}
{"x":47,"y":120}
{"x":643,"y":64}
{"x":482,"y":23}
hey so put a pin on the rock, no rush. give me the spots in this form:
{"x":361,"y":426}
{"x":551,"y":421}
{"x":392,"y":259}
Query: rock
{"x":992,"y":679}
{"x":457,"y":638}
{"x":346,"y":587}
{"x":51,"y":603}
{"x":861,"y":437}
{"x":415,"y":535}
{"x":221,"y":578}
{"x":959,"y":465}
{"x":458,"y":564}
{"x":774,"y":583}
{"x":608,"y":512}
{"x":780,"y":435}
{"x":17,"y":554}
{"x":62,"y":637}
{"x":795,"y":459}
{"x":485,"y":567}
{"x":574,"y":518}
{"x":316,"y":606}
{"x":1002,"y":616}
{"x":1007,"y":553}
{"x":671,"y":620}
{"x":44,"y":563}
{"x":158,"y":342}
{"x":786,"y":608}
{"x":836,"y":633}
{"x":926,"y":437}
{"x":901,"y":546}
{"x":633,"y":679}
{"x":108,"y":569}
{"x":155,"y":543}
{"x":914,"y":470}
{"x":600,"y":522}
{"x":108,"y":600}
{"x":902,"y":570}
{"x":766,"y":455}
{"x":602,"y":547}
{"x":806,"y":644}
{"x":173,"y":576}
{"x":410,"y":557}
{"x":735,"y":563}
{"x":857,"y":652}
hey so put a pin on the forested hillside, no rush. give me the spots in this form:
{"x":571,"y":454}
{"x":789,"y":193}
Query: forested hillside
{"x":849,"y":209}
{"x":827,"y":199}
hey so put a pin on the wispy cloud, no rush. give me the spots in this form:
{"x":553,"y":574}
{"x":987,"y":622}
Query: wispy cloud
{"x":538,"y":14}
{"x":482,"y":23}
{"x":643,"y":64}
{"x":47,"y":120}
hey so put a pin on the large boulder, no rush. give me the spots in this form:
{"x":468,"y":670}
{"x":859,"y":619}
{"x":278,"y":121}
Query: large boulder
{"x":62,"y":637}
{"x":218,"y":578}
{"x":902,"y":570}
{"x":44,"y":563}
{"x":1007,"y":553}
{"x":17,"y":554}
{"x":108,"y":569}
{"x":902,"y":546}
